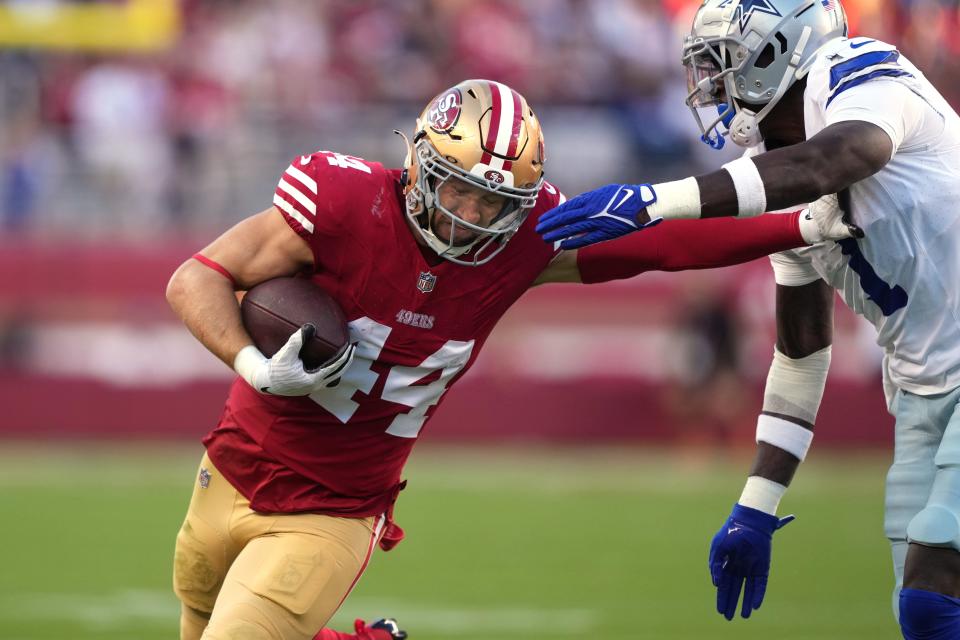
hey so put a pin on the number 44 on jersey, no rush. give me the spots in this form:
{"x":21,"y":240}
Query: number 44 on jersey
{"x":401,"y":384}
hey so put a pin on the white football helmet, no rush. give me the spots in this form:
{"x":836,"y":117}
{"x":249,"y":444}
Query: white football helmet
{"x":484,"y":133}
{"x":749,"y":52}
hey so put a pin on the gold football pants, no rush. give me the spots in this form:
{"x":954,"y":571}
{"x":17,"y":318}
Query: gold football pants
{"x":262,"y":576}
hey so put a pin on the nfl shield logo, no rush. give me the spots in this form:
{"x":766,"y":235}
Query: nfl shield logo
{"x":426,"y":282}
{"x":204,"y":478}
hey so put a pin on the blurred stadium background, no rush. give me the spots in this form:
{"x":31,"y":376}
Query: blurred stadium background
{"x":571,"y":483}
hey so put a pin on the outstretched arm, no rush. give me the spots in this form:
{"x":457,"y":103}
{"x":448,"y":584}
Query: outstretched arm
{"x":740,"y":551}
{"x":680,"y":245}
{"x":832,"y":160}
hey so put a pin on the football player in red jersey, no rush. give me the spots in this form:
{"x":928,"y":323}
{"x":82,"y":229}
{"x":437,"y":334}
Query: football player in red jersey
{"x":298,"y":482}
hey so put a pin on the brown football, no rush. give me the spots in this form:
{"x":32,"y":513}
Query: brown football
{"x":274,"y":309}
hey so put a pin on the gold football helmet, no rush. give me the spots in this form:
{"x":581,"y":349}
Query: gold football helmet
{"x":484,"y":133}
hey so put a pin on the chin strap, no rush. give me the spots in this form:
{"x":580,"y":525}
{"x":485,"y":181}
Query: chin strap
{"x":726,"y":113}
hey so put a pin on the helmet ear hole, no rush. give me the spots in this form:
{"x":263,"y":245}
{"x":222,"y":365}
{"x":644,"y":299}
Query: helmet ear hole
{"x":766,"y":57}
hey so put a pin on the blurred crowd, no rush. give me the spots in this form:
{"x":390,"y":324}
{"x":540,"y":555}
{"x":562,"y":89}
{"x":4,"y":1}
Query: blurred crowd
{"x":190,"y":138}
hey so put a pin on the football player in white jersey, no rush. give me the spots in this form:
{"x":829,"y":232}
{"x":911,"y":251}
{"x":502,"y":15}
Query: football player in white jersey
{"x":821,"y":114}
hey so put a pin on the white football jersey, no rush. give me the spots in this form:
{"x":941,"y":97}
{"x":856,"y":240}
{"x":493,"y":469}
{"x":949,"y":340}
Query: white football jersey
{"x":904,"y":275}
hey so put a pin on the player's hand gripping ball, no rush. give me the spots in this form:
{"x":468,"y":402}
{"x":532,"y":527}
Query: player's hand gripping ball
{"x":273,"y":310}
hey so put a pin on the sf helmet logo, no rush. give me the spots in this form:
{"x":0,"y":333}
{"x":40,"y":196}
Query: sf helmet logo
{"x":445,"y":111}
{"x":494,"y":176}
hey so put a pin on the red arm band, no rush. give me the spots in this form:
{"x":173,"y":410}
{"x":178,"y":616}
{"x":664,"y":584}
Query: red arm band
{"x":678,"y":245}
{"x":216,"y":266}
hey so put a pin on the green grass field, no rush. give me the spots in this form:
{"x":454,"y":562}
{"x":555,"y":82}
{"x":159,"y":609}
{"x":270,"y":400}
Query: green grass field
{"x":609,"y":544}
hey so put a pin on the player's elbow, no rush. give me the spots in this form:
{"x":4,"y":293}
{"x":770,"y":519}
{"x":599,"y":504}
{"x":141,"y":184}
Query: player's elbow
{"x":178,"y":287}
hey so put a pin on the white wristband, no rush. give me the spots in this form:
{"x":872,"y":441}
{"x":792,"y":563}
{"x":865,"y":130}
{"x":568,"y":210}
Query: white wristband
{"x":677,"y":199}
{"x":762,"y":494}
{"x":249,"y":360}
{"x":751,"y":194}
{"x":789,"y":436}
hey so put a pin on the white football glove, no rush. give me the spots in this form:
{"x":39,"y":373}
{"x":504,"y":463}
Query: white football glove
{"x":824,"y":220}
{"x":284,"y":373}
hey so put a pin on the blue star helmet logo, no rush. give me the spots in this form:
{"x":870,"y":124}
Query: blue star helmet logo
{"x":746,"y":8}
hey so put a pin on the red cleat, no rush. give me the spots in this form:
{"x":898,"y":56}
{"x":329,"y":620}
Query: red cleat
{"x":384,"y":629}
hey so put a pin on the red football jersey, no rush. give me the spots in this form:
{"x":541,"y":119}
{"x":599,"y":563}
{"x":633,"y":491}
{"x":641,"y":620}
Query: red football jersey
{"x":419,"y":322}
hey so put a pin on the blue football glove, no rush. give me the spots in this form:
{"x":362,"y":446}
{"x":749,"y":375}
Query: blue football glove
{"x":602,"y":214}
{"x":740,"y":555}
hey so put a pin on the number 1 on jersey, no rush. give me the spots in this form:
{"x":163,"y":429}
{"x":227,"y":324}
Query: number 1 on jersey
{"x":401,"y":384}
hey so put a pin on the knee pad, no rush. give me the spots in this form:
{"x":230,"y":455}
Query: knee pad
{"x":925,"y":615}
{"x":908,"y":489}
{"x":935,"y":526}
{"x":938,"y":523}
{"x":198,"y":567}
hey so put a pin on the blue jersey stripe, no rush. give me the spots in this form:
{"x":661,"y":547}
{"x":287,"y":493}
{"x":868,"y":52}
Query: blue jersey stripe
{"x":890,"y":73}
{"x":889,"y":299}
{"x":861,"y":62}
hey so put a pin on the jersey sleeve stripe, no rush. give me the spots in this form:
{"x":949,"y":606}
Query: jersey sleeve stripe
{"x":860,"y":63}
{"x":879,"y":73}
{"x":299,"y":196}
{"x":291,"y":211}
{"x":303,"y":179}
